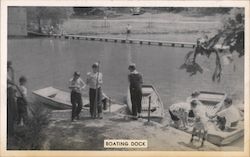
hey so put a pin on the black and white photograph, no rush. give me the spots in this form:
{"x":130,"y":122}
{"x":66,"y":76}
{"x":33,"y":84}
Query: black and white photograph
{"x":125,"y":78}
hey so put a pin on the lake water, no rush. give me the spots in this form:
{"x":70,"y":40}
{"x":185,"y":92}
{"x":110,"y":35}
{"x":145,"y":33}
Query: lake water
{"x":51,"y":62}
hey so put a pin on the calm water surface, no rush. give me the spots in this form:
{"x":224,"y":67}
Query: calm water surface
{"x":51,"y":62}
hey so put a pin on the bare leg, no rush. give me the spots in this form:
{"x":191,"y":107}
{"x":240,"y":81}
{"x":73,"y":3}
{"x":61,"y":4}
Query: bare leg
{"x":193,"y":134}
{"x":204,"y":138}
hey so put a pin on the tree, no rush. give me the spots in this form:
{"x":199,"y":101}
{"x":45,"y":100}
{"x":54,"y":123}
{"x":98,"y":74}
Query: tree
{"x":79,"y":11}
{"x":54,"y":14}
{"x":231,"y":36}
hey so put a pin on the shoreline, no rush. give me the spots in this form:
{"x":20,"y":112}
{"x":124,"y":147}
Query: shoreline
{"x":80,"y":134}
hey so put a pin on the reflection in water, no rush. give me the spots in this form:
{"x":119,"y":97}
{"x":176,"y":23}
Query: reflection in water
{"x":51,"y":62}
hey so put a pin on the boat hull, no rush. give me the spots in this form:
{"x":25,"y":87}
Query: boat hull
{"x":36,"y":34}
{"x":157,"y":108}
{"x":215,"y":136}
{"x":55,"y":98}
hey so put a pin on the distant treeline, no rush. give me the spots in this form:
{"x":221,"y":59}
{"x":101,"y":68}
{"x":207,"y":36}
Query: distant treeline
{"x":79,"y":11}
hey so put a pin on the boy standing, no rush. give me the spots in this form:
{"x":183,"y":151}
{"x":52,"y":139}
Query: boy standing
{"x":94,"y":81}
{"x":76,"y":85}
{"x":135,"y":87}
{"x":22,"y":101}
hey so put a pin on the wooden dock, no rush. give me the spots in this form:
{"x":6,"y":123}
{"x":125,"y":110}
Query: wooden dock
{"x":130,"y":41}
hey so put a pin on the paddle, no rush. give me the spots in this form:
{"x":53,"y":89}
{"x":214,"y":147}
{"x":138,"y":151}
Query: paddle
{"x":96,"y":92}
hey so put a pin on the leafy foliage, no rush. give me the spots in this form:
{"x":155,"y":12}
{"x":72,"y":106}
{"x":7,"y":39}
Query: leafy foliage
{"x":55,"y":15}
{"x":231,"y":35}
{"x":30,"y":136}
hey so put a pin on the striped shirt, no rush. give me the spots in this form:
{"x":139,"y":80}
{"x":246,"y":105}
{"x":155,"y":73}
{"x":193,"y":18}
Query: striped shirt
{"x":92,"y":80}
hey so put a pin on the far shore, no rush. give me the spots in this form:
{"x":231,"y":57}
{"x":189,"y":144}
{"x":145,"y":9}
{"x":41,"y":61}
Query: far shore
{"x":164,"y":26}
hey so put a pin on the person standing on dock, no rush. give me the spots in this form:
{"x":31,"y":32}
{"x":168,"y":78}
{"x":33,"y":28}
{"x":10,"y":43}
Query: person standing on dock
{"x":76,"y":85}
{"x":128,"y":31}
{"x":135,"y":86}
{"x":94,"y":81}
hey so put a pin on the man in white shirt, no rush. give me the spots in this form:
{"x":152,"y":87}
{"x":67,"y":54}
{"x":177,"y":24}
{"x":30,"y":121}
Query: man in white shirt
{"x":227,"y":114}
{"x":76,"y":85}
{"x":94,"y":81}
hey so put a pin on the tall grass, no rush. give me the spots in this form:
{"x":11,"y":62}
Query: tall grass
{"x":30,"y":136}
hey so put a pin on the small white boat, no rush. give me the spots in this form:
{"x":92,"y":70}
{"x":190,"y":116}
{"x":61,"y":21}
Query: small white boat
{"x":56,"y":98}
{"x":59,"y":99}
{"x":156,"y":109}
{"x":209,"y":101}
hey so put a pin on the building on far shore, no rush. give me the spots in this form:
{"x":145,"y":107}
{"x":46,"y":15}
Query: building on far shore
{"x":17,"y":21}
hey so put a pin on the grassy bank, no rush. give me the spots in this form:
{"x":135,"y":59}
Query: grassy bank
{"x":163,"y":26}
{"x":89,"y":134}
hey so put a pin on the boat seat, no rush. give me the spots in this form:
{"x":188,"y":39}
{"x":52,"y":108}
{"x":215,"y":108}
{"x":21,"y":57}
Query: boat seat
{"x":147,"y":91}
{"x":52,"y":96}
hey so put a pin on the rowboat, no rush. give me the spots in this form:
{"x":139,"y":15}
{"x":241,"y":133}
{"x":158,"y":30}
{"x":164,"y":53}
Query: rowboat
{"x":209,"y":105}
{"x":37,"y":34}
{"x":59,"y":99}
{"x":55,"y":98}
{"x":156,"y":109}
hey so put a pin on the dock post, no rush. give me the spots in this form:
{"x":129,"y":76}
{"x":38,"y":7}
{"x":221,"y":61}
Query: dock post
{"x":109,"y":105}
{"x":141,"y":42}
{"x":130,"y":41}
{"x":182,"y":45}
{"x":106,"y":40}
{"x":149,"y":108}
{"x":173,"y":45}
{"x":149,"y":43}
{"x":160,"y":44}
